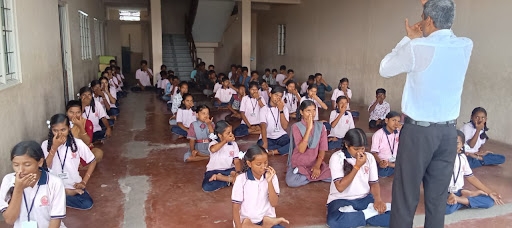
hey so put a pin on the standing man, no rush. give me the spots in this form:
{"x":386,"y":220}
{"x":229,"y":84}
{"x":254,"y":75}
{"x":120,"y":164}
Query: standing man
{"x":436,"y":62}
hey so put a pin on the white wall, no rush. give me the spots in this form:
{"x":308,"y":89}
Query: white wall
{"x":173,"y":16}
{"x":211,"y":18}
{"x":343,"y":38}
{"x":230,"y":48}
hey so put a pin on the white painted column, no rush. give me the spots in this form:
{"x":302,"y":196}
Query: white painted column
{"x":156,"y":34}
{"x":254,"y":54}
{"x":246,"y":33}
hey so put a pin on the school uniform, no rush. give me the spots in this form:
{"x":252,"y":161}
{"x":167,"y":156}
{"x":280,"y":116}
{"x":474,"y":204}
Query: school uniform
{"x":65,"y":165}
{"x":300,"y":164}
{"x":144,"y":79}
{"x":95,"y":117}
{"x":114,"y":110}
{"x":338,"y":92}
{"x":385,"y":145}
{"x":490,"y":159}
{"x":166,"y":89}
{"x":290,"y":101}
{"x":277,"y":138}
{"x":326,"y":124}
{"x":186,"y":117}
{"x":251,"y":108}
{"x":252,"y":195}
{"x":220,"y":162}
{"x":199,"y":132}
{"x":279,"y":79}
{"x":304,"y":88}
{"x":461,"y":170}
{"x":265,"y":96}
{"x":224,"y":95}
{"x":345,"y":123}
{"x":100,"y":100}
{"x":216,"y":87}
{"x":357,"y":194}
{"x":379,"y":113}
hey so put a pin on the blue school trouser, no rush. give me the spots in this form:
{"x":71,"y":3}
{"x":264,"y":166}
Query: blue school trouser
{"x":211,"y":186}
{"x":80,"y":202}
{"x":241,"y":131}
{"x":335,"y":144}
{"x":489,"y":159}
{"x":281,"y":144}
{"x":276,"y":226}
{"x":481,"y":201}
{"x":113,"y":112}
{"x":219,"y":104}
{"x":385,"y":172}
{"x":166,"y":97}
{"x":98,"y":135}
{"x":337,"y":219}
{"x":177,"y":130}
{"x":327,"y":126}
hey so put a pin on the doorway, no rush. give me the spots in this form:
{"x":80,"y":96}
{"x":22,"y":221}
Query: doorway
{"x":67,"y":73}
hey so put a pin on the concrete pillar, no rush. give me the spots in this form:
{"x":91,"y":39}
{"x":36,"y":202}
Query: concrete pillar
{"x":254,"y":21}
{"x":246,"y":33}
{"x":156,"y":34}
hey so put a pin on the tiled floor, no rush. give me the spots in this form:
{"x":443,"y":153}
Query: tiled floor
{"x":143,"y":147}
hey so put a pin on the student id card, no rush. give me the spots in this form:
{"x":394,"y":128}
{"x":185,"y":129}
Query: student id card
{"x":452,"y":189}
{"x":29,"y":224}
{"x":63,"y":175}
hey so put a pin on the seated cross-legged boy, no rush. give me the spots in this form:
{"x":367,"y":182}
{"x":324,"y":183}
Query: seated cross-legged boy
{"x":459,"y":197}
{"x":234,"y":104}
{"x":378,"y":109}
{"x":250,"y":112}
{"x":224,"y":95}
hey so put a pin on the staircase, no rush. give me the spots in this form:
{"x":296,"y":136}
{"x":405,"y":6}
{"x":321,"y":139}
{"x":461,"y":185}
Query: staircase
{"x":176,"y":55}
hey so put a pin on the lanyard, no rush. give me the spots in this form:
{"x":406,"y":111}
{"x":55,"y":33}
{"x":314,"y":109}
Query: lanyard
{"x":33,"y":200}
{"x":274,"y":117}
{"x":254,"y":105}
{"x":290,"y":100}
{"x":61,"y":162}
{"x":455,"y":178}
{"x":89,"y":112}
{"x":389,"y":143}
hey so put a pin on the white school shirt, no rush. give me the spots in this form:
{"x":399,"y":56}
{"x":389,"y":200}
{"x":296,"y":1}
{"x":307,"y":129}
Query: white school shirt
{"x":113,"y":92}
{"x":100,"y":100}
{"x":314,"y":101}
{"x":252,"y":194}
{"x":216,"y":87}
{"x":380,"y":111}
{"x":185,"y":116}
{"x":269,"y":115}
{"x":71,"y":161}
{"x":143,"y":77}
{"x":222,"y":159}
{"x":264,"y":95}
{"x":465,"y":171}
{"x":163,"y":85}
{"x":290,"y":101}
{"x":280,"y":78}
{"x":49,"y":200}
{"x":385,"y":143}
{"x":469,"y":131}
{"x":251,"y":109}
{"x":339,"y":92}
{"x":344,"y":124}
{"x":158,"y":80}
{"x":225,"y":95}
{"x":120,"y":78}
{"x":360,"y":186}
{"x":304,"y":88}
{"x":95,"y":117}
{"x":116,"y":81}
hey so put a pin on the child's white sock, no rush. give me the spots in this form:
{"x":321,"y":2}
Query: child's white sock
{"x":347,"y":209}
{"x":369,"y":212}
{"x":388,"y":206}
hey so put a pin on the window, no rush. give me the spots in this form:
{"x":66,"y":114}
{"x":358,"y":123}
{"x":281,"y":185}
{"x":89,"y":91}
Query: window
{"x":99,"y":37}
{"x":281,"y":39}
{"x":85,"y":36}
{"x":129,"y":15}
{"x":9,"y":74}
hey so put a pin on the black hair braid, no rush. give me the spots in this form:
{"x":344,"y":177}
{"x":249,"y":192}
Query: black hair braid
{"x":347,"y":167}
{"x":70,"y":142}
{"x":50,"y":140}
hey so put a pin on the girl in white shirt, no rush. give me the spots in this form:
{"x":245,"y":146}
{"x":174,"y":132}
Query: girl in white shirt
{"x":256,"y":192}
{"x":476,"y":137}
{"x":354,"y":198}
{"x":342,"y":90}
{"x":175,"y":103}
{"x":111,"y":97}
{"x":291,"y":98}
{"x":63,"y":153}
{"x":224,"y":164}
{"x":341,"y":121}
{"x":31,"y":196}
{"x":185,"y":116}
{"x":93,"y":111}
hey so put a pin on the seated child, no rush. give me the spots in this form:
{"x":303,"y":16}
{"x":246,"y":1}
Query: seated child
{"x":265,"y":91}
{"x":318,"y":102}
{"x":175,"y":103}
{"x":274,"y":119}
{"x":199,"y":134}
{"x":93,"y":111}
{"x":385,"y":144}
{"x":250,"y":112}
{"x":185,"y":116}
{"x":63,"y":153}
{"x":476,"y":137}
{"x":309,"y":143}
{"x":210,"y":83}
{"x":165,"y":86}
{"x":218,"y":84}
{"x":341,"y":121}
{"x":256,"y":192}
{"x":158,"y":79}
{"x":342,"y":90}
{"x":459,"y":197}
{"x":234,"y":104}
{"x":291,"y":98}
{"x":224,"y":95}
{"x":224,"y":164}
{"x":46,"y":193}
{"x":379,"y":109}
{"x":354,"y":199}
{"x":305,"y":85}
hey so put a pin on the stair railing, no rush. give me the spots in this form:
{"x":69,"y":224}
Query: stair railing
{"x":189,"y":23}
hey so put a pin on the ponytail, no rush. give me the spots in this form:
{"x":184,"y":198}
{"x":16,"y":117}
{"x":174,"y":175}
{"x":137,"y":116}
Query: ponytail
{"x":354,"y":137}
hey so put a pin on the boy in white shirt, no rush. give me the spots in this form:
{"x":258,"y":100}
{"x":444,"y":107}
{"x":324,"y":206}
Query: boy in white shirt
{"x":281,"y":76}
{"x":224,"y":95}
{"x":379,"y":109}
{"x":144,"y":76}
